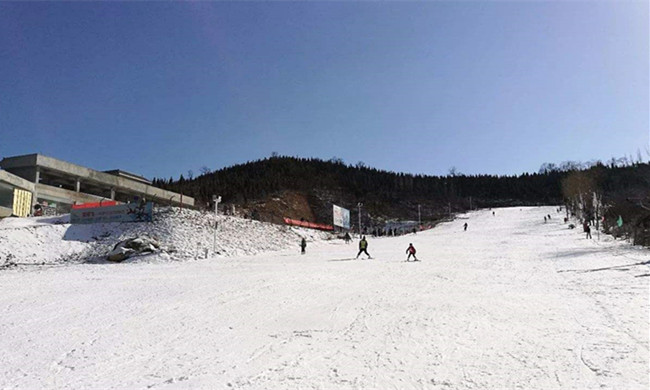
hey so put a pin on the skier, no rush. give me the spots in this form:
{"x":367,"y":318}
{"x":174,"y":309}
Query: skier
{"x":303,"y":245}
{"x":411,"y":252}
{"x":465,"y":227}
{"x":588,"y":231}
{"x":347,"y":238}
{"x":363,"y":247}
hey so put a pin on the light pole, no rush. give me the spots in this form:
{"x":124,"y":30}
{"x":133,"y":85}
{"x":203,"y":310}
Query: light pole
{"x":216,"y":200}
{"x":359,"y":206}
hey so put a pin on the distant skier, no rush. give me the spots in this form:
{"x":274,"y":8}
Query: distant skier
{"x":465,"y":227}
{"x":363,"y":247}
{"x":303,"y":245}
{"x":545,"y":219}
{"x":411,"y":252}
{"x":493,"y":213}
{"x":347,"y":238}
{"x":588,"y":231}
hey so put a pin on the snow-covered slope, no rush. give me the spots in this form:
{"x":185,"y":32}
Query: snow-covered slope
{"x":511,"y":303}
{"x":184,"y":234}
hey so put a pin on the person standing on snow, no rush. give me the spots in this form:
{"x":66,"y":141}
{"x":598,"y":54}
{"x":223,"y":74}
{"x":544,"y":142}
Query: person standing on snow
{"x":363,"y":247}
{"x":411,"y":251}
{"x":588,"y":231}
{"x":303,"y":245}
{"x":465,"y":227}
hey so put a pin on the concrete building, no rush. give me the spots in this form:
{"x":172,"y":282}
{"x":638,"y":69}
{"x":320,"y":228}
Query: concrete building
{"x":60,"y":184}
{"x":15,"y":195}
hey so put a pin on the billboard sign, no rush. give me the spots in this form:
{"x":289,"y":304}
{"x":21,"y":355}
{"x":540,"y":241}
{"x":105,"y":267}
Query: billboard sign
{"x":131,"y":212}
{"x":341,"y":217}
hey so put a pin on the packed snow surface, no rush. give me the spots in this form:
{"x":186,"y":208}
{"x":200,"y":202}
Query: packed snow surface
{"x":512,"y":302}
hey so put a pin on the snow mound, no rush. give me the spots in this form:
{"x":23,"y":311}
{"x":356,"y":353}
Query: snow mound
{"x":183,"y":234}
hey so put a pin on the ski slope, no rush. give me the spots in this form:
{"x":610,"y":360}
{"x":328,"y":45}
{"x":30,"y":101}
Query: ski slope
{"x":511,"y":303}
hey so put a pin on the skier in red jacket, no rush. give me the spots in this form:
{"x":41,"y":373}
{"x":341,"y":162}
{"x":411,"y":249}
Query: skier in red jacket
{"x":411,"y":252}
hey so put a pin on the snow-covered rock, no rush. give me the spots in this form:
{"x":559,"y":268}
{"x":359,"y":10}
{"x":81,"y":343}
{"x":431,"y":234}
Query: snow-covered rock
{"x":120,"y":253}
{"x":131,"y":247}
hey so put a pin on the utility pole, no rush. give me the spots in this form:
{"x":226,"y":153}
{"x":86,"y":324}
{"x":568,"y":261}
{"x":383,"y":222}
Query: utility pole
{"x":359,"y":205}
{"x":216,"y":200}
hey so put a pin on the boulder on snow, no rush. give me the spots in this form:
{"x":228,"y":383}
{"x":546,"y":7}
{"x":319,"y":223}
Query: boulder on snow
{"x":120,"y":254}
{"x":142,"y":244}
{"x":133,"y":246}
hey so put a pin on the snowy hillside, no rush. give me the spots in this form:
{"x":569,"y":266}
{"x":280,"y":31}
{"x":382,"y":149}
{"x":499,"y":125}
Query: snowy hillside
{"x":511,"y":303}
{"x":184,"y":234}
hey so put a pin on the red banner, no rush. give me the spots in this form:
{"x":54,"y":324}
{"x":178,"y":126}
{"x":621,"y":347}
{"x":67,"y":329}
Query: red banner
{"x":309,"y":225}
{"x":94,"y":204}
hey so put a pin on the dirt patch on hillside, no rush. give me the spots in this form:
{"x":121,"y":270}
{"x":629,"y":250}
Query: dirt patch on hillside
{"x":290,"y":204}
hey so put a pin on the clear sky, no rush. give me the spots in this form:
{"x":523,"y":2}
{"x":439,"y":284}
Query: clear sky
{"x":160,"y":88}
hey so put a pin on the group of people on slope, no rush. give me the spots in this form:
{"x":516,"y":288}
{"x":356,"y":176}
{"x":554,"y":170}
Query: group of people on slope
{"x":363,"y":248}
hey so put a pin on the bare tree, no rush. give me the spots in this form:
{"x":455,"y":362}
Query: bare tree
{"x":577,"y":189}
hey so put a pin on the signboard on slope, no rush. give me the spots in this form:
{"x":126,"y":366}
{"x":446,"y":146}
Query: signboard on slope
{"x":341,"y":216}
{"x":131,"y":212}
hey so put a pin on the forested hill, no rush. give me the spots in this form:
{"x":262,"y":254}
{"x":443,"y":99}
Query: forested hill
{"x":387,"y":194}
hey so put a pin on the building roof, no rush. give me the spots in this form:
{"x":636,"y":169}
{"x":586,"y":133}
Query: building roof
{"x":129,"y":175}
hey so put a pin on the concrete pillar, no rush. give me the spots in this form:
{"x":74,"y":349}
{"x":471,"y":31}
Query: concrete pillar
{"x":112,"y":193}
{"x":78,"y":185}
{"x":37,"y":178}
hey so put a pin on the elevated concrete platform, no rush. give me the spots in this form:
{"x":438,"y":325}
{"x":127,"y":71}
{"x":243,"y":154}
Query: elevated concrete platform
{"x":16,"y":181}
{"x":15,"y":195}
{"x":60,"y":181}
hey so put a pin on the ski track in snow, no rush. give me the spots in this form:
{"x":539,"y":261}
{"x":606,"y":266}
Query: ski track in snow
{"x":512,"y":303}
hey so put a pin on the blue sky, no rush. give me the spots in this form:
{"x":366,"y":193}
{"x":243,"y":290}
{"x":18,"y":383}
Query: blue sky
{"x":487,"y":87}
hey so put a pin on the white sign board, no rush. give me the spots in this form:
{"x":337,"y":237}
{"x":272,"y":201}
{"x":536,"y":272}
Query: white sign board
{"x":341,"y":217}
{"x":133,"y":212}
